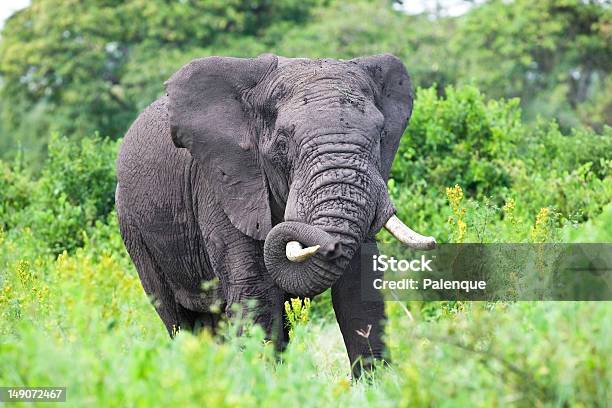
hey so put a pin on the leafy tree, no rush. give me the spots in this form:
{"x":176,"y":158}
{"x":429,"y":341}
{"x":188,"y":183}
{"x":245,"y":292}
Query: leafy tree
{"x":73,"y":64}
{"x":356,"y":28}
{"x":554,"y":55}
{"x":82,"y":66}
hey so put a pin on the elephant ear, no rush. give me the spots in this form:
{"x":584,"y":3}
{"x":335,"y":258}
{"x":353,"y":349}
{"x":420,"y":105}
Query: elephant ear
{"x":211,"y":118}
{"x":394,"y":99}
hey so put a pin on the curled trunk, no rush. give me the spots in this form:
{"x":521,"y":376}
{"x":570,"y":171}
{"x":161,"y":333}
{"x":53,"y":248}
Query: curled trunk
{"x":339,"y":215}
{"x":311,"y":276}
{"x":327,"y":218}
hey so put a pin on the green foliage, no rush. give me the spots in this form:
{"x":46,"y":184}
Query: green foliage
{"x":15,"y":193}
{"x":350,"y":36}
{"x":83,"y":66}
{"x":484,"y":149}
{"x":68,"y":319}
{"x":484,"y":222}
{"x":83,"y":172}
{"x":73,"y":319}
{"x":297,"y":312}
{"x":553,"y":55}
{"x":597,"y":229}
{"x":518,"y":354}
{"x":460,"y":139}
{"x":468,"y":170}
{"x":76,"y":188}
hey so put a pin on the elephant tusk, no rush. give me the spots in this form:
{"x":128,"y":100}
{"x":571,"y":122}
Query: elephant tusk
{"x":296,"y":253}
{"x":407,"y":236}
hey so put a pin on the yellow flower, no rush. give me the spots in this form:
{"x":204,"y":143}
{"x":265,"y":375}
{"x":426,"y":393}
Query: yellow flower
{"x":297,"y":312}
{"x":539,"y":231}
{"x":509,"y":206}
{"x":342,"y":386}
{"x":508,"y":210}
{"x":455,"y":197}
{"x":23,"y":272}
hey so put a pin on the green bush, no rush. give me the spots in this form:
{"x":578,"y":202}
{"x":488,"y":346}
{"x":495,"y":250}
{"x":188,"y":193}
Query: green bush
{"x":482,"y":146}
{"x":15,"y":193}
{"x":460,"y":139}
{"x":76,"y":188}
{"x":597,"y":229}
{"x":571,"y":173}
{"x":523,"y":354}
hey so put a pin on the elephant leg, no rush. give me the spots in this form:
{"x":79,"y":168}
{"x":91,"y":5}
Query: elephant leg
{"x":264,"y":308}
{"x":361,"y":322}
{"x":173,"y":315}
{"x":248,"y":290}
{"x":237,"y":261}
{"x":252,"y":294}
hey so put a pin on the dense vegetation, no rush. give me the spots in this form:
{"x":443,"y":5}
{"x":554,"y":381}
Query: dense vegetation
{"x":81,"y":318}
{"x":77,"y":67}
{"x":475,"y":165}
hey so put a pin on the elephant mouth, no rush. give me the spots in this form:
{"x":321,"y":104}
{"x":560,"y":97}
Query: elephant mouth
{"x":305,"y":260}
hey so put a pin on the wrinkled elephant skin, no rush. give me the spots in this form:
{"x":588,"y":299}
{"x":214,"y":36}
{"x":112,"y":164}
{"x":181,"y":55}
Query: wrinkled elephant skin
{"x":263,"y":175}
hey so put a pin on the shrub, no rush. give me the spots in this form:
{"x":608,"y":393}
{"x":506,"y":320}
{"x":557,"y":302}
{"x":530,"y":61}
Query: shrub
{"x":460,"y":139}
{"x":76,"y":187}
{"x":482,"y":146}
{"x":15,"y":193}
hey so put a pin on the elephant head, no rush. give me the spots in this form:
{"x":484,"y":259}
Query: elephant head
{"x":298,"y":152}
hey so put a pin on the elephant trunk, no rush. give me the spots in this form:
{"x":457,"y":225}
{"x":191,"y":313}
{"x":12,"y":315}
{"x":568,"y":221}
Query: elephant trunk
{"x":306,"y":257}
{"x":342,"y":201}
{"x":308,"y":277}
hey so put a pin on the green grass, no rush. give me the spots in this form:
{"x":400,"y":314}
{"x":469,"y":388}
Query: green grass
{"x":82,"y":321}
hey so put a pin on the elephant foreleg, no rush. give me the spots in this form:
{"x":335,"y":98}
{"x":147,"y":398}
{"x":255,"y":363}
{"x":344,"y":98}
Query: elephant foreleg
{"x":361,"y":322}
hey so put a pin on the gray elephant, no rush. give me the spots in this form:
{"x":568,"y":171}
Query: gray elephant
{"x":265,"y":175}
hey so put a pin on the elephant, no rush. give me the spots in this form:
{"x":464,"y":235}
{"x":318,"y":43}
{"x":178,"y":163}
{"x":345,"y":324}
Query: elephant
{"x":264,"y":176}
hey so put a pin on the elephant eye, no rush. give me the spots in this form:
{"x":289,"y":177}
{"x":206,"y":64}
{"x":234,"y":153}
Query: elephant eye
{"x":277,"y":147}
{"x":382,"y":133}
{"x":282,"y":141}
